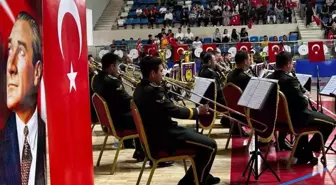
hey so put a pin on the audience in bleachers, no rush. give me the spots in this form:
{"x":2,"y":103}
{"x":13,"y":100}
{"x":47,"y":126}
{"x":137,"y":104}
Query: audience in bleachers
{"x":218,"y":13}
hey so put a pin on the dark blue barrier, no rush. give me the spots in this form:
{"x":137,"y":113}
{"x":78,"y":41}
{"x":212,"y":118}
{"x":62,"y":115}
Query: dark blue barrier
{"x":326,"y":68}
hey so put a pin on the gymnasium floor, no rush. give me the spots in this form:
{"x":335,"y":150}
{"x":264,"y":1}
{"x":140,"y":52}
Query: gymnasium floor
{"x":229,"y":164}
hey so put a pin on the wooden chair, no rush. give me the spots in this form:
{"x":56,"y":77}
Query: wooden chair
{"x":284,"y":124}
{"x":231,"y":94}
{"x":105,"y":120}
{"x":160,"y":156}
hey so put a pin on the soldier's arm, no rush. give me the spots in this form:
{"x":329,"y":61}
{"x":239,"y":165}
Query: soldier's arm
{"x":172,"y":110}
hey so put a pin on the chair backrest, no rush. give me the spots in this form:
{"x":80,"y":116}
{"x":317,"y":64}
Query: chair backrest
{"x":140,"y":129}
{"x":231,"y":94}
{"x":207,"y":121}
{"x":283,"y":116}
{"x":103,"y":114}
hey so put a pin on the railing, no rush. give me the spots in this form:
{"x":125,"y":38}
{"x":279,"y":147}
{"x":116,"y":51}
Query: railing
{"x":299,"y":49}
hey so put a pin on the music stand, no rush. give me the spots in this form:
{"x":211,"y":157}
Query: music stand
{"x":265,"y":112}
{"x":332,"y":142}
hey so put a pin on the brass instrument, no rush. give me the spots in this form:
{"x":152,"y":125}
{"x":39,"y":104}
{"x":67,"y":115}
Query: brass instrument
{"x":162,"y":54}
{"x":185,"y":85}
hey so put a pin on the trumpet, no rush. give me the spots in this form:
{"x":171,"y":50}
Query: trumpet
{"x":184,"y":85}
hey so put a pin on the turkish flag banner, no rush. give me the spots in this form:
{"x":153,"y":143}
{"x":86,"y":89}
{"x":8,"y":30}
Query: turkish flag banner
{"x":244,"y":46}
{"x":178,"y":51}
{"x":209,"y":47}
{"x":317,"y":20}
{"x":154,"y":49}
{"x":147,"y":48}
{"x":171,"y":40}
{"x":235,"y":20}
{"x":67,"y":91}
{"x":273,"y":49}
{"x":316,"y":51}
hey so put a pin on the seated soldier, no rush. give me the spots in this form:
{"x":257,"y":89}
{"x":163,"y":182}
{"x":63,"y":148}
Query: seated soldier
{"x":108,"y":85}
{"x":300,"y":115}
{"x":238,"y":75}
{"x":164,"y":134}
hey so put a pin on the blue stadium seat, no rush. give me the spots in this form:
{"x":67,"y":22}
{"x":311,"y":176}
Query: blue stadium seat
{"x":271,"y":38}
{"x":118,"y":42}
{"x":136,"y":21}
{"x":131,"y":14}
{"x":261,"y":38}
{"x":159,"y":20}
{"x":144,"y":41}
{"x":280,"y":38}
{"x":127,"y":41}
{"x":144,"y":21}
{"x":128,"y":22}
{"x":207,"y":40}
{"x":254,"y":39}
{"x":293,"y":37}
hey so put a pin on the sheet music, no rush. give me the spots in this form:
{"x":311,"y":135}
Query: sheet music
{"x":260,"y":94}
{"x":201,"y":85}
{"x":248,"y":92}
{"x":255,"y":92}
{"x":330,"y":87}
{"x":303,"y":78}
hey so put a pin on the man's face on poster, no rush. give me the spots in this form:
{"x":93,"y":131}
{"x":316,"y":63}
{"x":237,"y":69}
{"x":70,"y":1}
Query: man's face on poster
{"x":22,"y":75}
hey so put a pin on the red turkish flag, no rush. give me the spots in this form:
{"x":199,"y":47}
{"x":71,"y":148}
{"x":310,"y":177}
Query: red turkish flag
{"x":235,"y":20}
{"x":154,"y":49}
{"x":147,"y":48}
{"x":273,"y":50}
{"x":179,"y":50}
{"x":254,"y":3}
{"x":67,"y":91}
{"x":209,"y":47}
{"x":171,"y":40}
{"x":317,"y":20}
{"x":245,"y":46}
{"x":250,"y":23}
{"x":139,"y":47}
{"x":316,"y":51}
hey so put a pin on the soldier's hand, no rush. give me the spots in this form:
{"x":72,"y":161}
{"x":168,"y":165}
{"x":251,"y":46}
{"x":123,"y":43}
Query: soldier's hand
{"x":203,"y":109}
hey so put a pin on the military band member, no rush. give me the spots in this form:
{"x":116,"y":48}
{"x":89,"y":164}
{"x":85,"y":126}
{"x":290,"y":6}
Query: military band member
{"x":164,"y":134}
{"x":108,"y":84}
{"x":238,"y":75}
{"x":299,"y":112}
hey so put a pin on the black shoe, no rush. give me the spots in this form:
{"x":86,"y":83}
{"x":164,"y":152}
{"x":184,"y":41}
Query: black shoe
{"x":211,"y":180}
{"x":162,"y":164}
{"x":139,"y":156}
{"x":128,"y":144}
{"x":285,"y":146}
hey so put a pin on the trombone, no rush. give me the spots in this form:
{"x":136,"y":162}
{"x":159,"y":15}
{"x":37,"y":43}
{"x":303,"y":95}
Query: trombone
{"x":218,"y":104}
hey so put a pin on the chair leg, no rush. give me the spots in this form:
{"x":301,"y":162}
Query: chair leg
{"x":209,"y":132}
{"x":289,"y":162}
{"x":142,"y":170}
{"x":102,"y":150}
{"x":185,"y":165}
{"x":240,"y":130}
{"x":155,"y":163}
{"x":92,"y":127}
{"x":277,"y":141}
{"x":193,"y":165}
{"x":120,"y":144}
{"x":230,"y":135}
{"x":324,"y":158}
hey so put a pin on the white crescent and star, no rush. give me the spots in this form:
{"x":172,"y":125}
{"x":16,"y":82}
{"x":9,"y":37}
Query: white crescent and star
{"x":275,"y":50}
{"x":209,"y":48}
{"x":318,"y":48}
{"x":178,"y":50}
{"x":69,"y":6}
{"x":244,"y":48}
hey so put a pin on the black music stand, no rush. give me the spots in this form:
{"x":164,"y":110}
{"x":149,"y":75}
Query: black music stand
{"x":332,"y":142}
{"x":256,"y":112}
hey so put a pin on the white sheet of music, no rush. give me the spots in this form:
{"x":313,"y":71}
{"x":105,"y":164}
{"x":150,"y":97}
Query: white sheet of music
{"x":201,"y":85}
{"x":248,"y":92}
{"x":260,"y":94}
{"x":330,"y":87}
{"x":303,"y":78}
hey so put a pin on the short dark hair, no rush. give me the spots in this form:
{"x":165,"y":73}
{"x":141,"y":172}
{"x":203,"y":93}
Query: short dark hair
{"x":226,"y":53}
{"x":149,"y":64}
{"x":36,"y":42}
{"x":89,"y":56}
{"x":207,"y":57}
{"x":241,"y":56}
{"x":215,"y":52}
{"x":283,"y":58}
{"x":108,"y":59}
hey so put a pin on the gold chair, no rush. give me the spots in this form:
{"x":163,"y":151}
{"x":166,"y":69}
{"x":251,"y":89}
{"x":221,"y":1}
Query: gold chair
{"x":105,"y":120}
{"x":156,"y":158}
{"x":284,"y":124}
